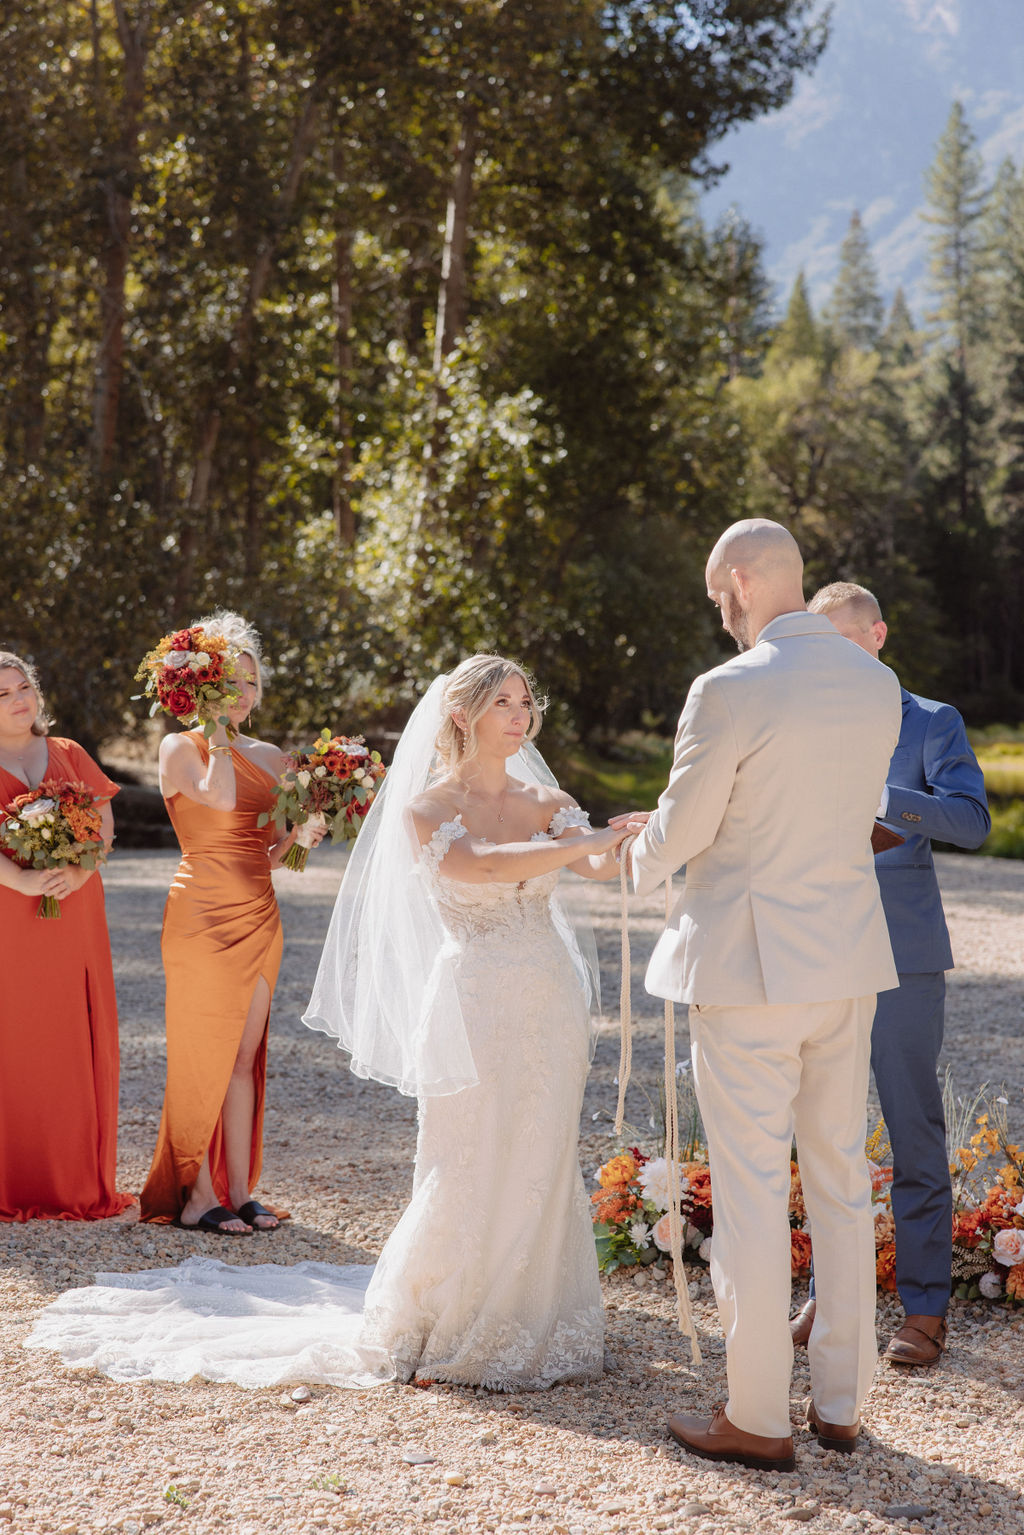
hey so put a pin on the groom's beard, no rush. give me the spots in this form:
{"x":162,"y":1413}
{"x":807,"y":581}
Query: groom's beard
{"x":736,"y":622}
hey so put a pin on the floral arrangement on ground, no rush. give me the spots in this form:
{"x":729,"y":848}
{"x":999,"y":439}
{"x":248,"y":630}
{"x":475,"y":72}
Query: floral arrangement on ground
{"x":630,"y":1207}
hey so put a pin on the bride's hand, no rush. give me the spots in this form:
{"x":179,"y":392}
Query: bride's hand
{"x":608,"y":838}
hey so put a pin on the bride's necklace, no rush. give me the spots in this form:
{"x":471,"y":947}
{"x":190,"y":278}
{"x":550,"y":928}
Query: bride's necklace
{"x":501,"y":802}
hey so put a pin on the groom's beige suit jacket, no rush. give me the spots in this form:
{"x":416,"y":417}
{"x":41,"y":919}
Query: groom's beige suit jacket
{"x":780,"y":760}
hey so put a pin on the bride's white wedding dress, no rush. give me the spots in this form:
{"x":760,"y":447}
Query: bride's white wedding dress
{"x":490,"y":1277}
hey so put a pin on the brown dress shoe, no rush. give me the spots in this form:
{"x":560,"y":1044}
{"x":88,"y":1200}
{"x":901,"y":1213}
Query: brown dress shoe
{"x":801,"y":1324}
{"x":833,"y":1436}
{"x":718,"y":1439}
{"x":920,"y":1340}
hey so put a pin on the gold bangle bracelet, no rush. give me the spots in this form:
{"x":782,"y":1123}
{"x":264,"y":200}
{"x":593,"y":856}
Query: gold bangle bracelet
{"x":220,"y":749}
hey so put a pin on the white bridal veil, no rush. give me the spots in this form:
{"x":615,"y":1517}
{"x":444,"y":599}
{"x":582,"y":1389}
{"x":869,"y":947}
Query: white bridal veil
{"x":384,"y":989}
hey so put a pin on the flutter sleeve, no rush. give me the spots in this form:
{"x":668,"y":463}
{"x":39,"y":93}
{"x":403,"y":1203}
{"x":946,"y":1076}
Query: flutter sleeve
{"x":571,"y":815}
{"x":435,"y":850}
{"x":81,"y":766}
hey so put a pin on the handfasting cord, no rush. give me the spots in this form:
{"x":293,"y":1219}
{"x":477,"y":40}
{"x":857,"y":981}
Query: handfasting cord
{"x":675,"y":1222}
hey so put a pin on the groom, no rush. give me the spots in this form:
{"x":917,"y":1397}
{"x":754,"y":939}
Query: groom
{"x":779,"y":945}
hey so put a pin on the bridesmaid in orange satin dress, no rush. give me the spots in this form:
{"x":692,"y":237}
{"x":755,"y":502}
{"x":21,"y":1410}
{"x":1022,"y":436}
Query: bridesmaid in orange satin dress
{"x":58,"y":1011}
{"x":221,"y":948}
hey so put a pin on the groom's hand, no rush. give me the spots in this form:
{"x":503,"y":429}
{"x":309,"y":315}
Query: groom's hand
{"x":636,"y":820}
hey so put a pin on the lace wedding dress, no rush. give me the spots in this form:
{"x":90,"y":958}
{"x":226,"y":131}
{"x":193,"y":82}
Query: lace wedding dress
{"x":490,"y":1277}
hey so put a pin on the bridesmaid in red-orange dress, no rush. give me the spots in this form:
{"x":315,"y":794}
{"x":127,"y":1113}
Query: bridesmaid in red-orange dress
{"x":221,"y":948}
{"x":58,"y":1011}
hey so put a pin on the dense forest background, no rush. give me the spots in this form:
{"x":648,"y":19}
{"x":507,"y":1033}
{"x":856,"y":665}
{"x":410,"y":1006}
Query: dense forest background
{"x":396,"y":326}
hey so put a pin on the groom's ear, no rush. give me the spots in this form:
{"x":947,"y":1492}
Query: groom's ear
{"x":741,"y":584}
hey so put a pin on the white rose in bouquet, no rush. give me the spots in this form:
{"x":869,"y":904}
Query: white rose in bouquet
{"x":39,"y":812}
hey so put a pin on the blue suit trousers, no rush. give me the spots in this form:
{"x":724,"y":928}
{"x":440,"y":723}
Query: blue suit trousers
{"x":906,"y":1038}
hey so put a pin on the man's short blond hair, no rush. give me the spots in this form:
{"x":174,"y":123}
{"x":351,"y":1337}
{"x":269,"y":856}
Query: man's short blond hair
{"x":847,"y":594}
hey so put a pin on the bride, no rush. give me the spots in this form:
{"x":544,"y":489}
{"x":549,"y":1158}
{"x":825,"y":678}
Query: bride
{"x":450,"y":971}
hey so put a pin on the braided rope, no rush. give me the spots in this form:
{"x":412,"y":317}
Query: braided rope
{"x":675,"y":1219}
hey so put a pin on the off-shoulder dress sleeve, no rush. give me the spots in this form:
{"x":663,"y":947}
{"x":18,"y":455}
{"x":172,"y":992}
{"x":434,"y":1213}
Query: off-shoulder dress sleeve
{"x":571,"y":815}
{"x":435,"y":850}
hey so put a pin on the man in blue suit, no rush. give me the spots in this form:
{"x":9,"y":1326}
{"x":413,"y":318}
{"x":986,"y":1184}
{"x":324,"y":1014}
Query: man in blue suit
{"x":935,"y":788}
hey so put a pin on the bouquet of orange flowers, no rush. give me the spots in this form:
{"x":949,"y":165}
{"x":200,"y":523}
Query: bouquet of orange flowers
{"x":188,"y":675}
{"x":328,"y":789}
{"x":52,"y":826}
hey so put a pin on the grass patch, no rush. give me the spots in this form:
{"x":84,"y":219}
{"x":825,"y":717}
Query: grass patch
{"x":1006,"y":839}
{"x":631,"y":775}
{"x":630,"y":778}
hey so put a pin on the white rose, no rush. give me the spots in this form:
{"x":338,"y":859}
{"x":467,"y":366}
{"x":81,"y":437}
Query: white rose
{"x":39,"y":811}
{"x":991,"y":1285}
{"x":320,"y":772}
{"x":199,"y":659}
{"x":357,"y":751}
{"x":303,"y":778}
{"x":176,"y":658}
{"x":46,"y":835}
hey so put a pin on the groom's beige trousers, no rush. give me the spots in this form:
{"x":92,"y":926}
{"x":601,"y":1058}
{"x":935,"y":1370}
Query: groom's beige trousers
{"x":763,"y":1075}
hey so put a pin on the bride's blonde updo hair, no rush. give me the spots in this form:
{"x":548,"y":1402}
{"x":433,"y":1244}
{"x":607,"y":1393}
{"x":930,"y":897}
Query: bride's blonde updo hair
{"x":472,"y":687}
{"x":240,"y":635}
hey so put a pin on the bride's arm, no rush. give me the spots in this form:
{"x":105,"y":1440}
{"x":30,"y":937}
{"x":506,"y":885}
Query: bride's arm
{"x":603,"y":866}
{"x":473,"y":862}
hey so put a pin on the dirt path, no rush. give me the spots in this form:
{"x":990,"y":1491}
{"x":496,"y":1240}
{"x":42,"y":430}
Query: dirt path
{"x":82,"y":1454}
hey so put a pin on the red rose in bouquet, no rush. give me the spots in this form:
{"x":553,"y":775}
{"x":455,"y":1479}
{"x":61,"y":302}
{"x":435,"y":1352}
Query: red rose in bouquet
{"x":329,"y":788}
{"x":188,"y":675}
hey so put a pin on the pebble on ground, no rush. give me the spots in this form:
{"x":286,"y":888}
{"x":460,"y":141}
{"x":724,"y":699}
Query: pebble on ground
{"x":942,"y":1450}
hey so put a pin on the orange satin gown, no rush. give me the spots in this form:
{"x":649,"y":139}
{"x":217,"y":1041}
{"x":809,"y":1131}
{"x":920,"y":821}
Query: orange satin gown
{"x":58,"y":1040}
{"x":222,"y":931}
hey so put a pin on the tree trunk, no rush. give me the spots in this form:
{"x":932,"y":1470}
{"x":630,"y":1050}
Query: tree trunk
{"x":452,"y":302}
{"x":341,"y":305}
{"x":241,"y":336}
{"x":118,"y":186}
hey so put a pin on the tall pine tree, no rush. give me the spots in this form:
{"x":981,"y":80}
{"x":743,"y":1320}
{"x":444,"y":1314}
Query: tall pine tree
{"x":856,"y":310}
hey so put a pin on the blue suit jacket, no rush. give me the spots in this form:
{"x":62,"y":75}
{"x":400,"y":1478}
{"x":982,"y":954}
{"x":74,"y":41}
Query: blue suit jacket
{"x":936,"y":789}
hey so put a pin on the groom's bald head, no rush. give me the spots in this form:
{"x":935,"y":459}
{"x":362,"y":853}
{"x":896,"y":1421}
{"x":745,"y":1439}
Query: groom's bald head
{"x":760,"y":548}
{"x":755,"y":572}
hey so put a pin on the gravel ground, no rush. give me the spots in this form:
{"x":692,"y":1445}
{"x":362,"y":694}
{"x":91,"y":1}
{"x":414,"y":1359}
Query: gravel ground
{"x":83,"y":1454}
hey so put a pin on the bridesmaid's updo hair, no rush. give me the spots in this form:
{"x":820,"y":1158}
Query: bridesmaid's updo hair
{"x":44,"y":719}
{"x":241,"y":636}
{"x":472,"y":687}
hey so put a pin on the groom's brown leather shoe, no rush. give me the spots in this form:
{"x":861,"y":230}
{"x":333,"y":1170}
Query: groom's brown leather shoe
{"x":801,"y":1324}
{"x":718,"y":1439}
{"x":920,"y":1340}
{"x":833,"y":1436}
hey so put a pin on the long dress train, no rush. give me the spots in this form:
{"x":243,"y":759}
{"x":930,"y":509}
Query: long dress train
{"x":490,"y":1277}
{"x":221,"y":932}
{"x":58,"y":1040}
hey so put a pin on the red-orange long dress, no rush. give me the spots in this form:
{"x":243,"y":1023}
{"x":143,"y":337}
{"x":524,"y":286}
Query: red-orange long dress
{"x":222,"y":931}
{"x":58,"y":1040}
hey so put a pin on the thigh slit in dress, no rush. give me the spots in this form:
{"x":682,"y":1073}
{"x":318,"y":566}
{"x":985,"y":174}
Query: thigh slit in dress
{"x":221,"y":933}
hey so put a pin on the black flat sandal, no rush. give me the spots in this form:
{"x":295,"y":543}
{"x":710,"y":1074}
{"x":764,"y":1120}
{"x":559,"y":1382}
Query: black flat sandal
{"x":214,"y":1221}
{"x":249,"y":1211}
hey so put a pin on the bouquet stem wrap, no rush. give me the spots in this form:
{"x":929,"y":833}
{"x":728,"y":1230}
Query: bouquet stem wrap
{"x":296,"y":856}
